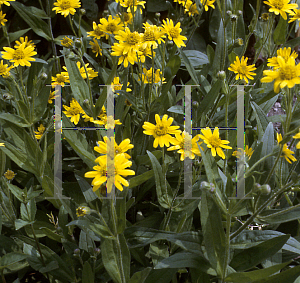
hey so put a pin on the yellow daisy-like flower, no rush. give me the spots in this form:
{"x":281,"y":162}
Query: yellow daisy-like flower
{"x":295,"y":15}
{"x":186,"y":145}
{"x":242,"y":70}
{"x":287,"y":153}
{"x":101,"y":175}
{"x":129,"y":40}
{"x":2,"y":19}
{"x":6,"y":2}
{"x":126,"y":18}
{"x":129,"y":3}
{"x":191,"y":8}
{"x":66,"y":7}
{"x":95,"y":47}
{"x":119,"y":149}
{"x":285,"y":53}
{"x":39,"y":132}
{"x":173,"y":32}
{"x":4,"y":70}
{"x":60,"y":79}
{"x":96,"y":32}
{"x":297,"y":136}
{"x":145,"y":52}
{"x":73,"y":111}
{"x":125,"y":57}
{"x":51,"y":97}
{"x":152,"y":35}
{"x":208,"y":3}
{"x":248,"y":151}
{"x":9,"y":175}
{"x":103,"y":121}
{"x":67,"y":42}
{"x":116,"y":85}
{"x":288,"y":74}
{"x":214,"y":142}
{"x":19,"y":56}
{"x":2,"y":144}
{"x":147,"y":76}
{"x":281,"y":7}
{"x":82,"y":210}
{"x":181,"y":2}
{"x":111,"y":26}
{"x":92,"y":74}
{"x":27,"y":43}
{"x":161,"y":131}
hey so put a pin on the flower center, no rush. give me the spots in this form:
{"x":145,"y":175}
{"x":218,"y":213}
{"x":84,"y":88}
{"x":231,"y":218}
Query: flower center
{"x":243,"y":70}
{"x":149,"y":35}
{"x":60,"y":78}
{"x":65,"y":5}
{"x":287,"y":73}
{"x":174,"y":33}
{"x":278,"y":4}
{"x":2,"y":70}
{"x":111,"y":27}
{"x":19,"y":54}
{"x":98,"y":32}
{"x":214,"y":141}
{"x":186,"y":146}
{"x":161,"y":130}
{"x":133,"y":38}
{"x":126,"y":17}
{"x":118,"y":150}
{"x":117,"y":87}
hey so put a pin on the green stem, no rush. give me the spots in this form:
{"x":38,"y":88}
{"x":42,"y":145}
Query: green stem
{"x":2,"y":276}
{"x":292,"y":27}
{"x":72,"y":27}
{"x":6,"y":35}
{"x":274,"y":165}
{"x":227,"y":246}
{"x":79,"y":24}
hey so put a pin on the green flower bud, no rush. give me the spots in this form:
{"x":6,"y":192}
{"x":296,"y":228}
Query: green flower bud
{"x":157,"y":15}
{"x":78,"y":42}
{"x":82,"y":12}
{"x":205,"y":185}
{"x":265,"y":189}
{"x":221,"y":75}
{"x":43,"y":76}
{"x":195,"y":104}
{"x":233,"y":18}
{"x":229,"y":13}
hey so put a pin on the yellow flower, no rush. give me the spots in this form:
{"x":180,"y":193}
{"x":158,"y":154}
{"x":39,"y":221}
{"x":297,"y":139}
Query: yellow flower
{"x":242,"y":70}
{"x":191,"y":8}
{"x":143,"y":52}
{"x":73,"y":111}
{"x":265,"y":16}
{"x":119,"y":149}
{"x":39,"y":132}
{"x":295,"y":15}
{"x":152,"y":35}
{"x":67,"y":42}
{"x":66,"y":7}
{"x":9,"y":175}
{"x":19,"y":56}
{"x":125,"y":57}
{"x":286,"y":75}
{"x":285,"y":53}
{"x":6,"y":2}
{"x":2,"y":144}
{"x":173,"y":32}
{"x":248,"y":152}
{"x":126,"y":18}
{"x":297,"y":136}
{"x":4,"y":70}
{"x":161,"y":131}
{"x":129,"y":40}
{"x":27,"y":43}
{"x":147,"y":76}
{"x":115,"y":85}
{"x":181,"y":2}
{"x":96,"y":32}
{"x":51,"y":97}
{"x":214,"y":142}
{"x":2,"y":19}
{"x":103,"y":121}
{"x":186,"y":145}
{"x":60,"y":79}
{"x":281,"y":7}
{"x":208,"y":3}
{"x":82,"y":210}
{"x":287,"y":153}
{"x":129,"y":3}
{"x":92,"y":74}
{"x":111,"y":26}
{"x":100,"y":173}
{"x":95,"y":47}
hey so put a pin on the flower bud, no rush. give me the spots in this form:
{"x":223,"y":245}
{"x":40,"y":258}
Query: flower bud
{"x":78,"y":42}
{"x":229,"y":13}
{"x":233,"y":18}
{"x":265,"y":189}
{"x":256,"y":187}
{"x":240,"y":12}
{"x":221,"y":75}
{"x":43,"y":76}
{"x":7,"y":96}
{"x":76,"y":253}
{"x":97,"y":251}
{"x":195,"y":104}
{"x":72,"y":56}
{"x":82,"y":12}
{"x":205,"y":185}
{"x":105,"y":13}
{"x":86,"y":101}
{"x":157,"y":15}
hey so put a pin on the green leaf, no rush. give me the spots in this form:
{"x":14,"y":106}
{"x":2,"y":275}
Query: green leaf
{"x":189,"y":67}
{"x":17,"y":120}
{"x":261,"y":118}
{"x":196,"y":58}
{"x":11,"y":258}
{"x":86,"y":189}
{"x":116,"y":258}
{"x":186,"y":259}
{"x":178,"y":109}
{"x":87,"y":273}
{"x":35,"y":22}
{"x":17,"y":192}
{"x":251,"y":276}
{"x":140,"y":179}
{"x":161,"y":275}
{"x":287,"y":276}
{"x":280,"y":32}
{"x":12,"y":37}
{"x":213,"y":232}
{"x":19,"y":223}
{"x":140,"y":276}
{"x":174,"y":64}
{"x":219,"y":52}
{"x":156,"y":6}
{"x":249,"y":258}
